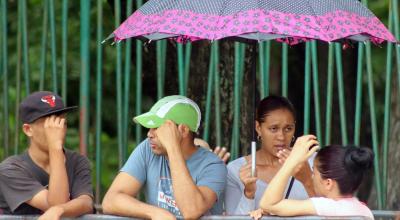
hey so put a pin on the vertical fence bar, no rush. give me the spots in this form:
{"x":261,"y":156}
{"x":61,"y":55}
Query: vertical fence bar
{"x":316,"y":91}
{"x":160,"y":68}
{"x":234,"y":150}
{"x":261,"y":69}
{"x":375,"y":141}
{"x":53,"y":46}
{"x":99,"y":100}
{"x":117,"y":12}
{"x":43,"y":52}
{"x":188,"y":52}
{"x":138,"y":73}
{"x":25,"y":45}
{"x":4,"y":67}
{"x":342,"y":103}
{"x":210,"y":83}
{"x":359,"y":94}
{"x":386,"y":120}
{"x":267,"y":67}
{"x":85,"y":73}
{"x":64,"y":40}
{"x":285,"y":79}
{"x":18,"y":79}
{"x":127,"y":80}
{"x":307,"y":89}
{"x":181,"y":69}
{"x":241,"y":57}
{"x":329,"y":95}
{"x":395,"y":8}
{"x":217,"y":107}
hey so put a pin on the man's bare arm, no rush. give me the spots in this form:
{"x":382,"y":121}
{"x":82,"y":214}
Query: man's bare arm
{"x":55,"y":128}
{"x":192,"y":200}
{"x":75,"y":207}
{"x":120,"y":200}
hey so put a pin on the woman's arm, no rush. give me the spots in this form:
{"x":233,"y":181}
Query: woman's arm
{"x":272,"y":200}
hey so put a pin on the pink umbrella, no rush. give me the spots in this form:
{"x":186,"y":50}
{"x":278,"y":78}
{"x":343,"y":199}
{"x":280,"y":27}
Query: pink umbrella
{"x":289,"y":21}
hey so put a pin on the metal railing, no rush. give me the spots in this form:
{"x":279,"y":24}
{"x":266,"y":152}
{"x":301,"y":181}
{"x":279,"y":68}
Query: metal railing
{"x":20,"y":76}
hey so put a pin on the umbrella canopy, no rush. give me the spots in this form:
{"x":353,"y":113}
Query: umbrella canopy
{"x":289,"y":21}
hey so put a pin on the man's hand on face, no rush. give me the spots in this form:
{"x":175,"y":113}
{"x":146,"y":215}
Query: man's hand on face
{"x":169,"y":135}
{"x":55,"y":129}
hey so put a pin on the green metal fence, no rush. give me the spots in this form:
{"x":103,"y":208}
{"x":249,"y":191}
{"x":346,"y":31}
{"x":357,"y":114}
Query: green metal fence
{"x":21,"y":42}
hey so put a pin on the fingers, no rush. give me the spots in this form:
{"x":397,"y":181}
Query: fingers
{"x":220,"y":151}
{"x":252,"y":180}
{"x":256,"y":214}
{"x":309,"y":137}
{"x":313,"y":149}
{"x":283,"y":155}
{"x":226,"y":157}
{"x":306,"y":141}
{"x":245,"y":174}
{"x":54,"y":121}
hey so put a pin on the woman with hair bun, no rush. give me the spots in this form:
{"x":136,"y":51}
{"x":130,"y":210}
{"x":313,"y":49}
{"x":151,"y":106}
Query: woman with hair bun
{"x":337,"y":174}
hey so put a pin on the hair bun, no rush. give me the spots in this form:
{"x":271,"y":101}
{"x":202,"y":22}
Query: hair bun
{"x":359,"y":158}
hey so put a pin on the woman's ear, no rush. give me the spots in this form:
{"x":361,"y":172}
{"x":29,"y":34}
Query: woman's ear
{"x":329,"y":184}
{"x":258,"y":128}
{"x":27,"y":129}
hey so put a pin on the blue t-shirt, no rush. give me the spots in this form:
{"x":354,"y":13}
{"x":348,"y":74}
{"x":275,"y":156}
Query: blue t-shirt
{"x":153,"y":172}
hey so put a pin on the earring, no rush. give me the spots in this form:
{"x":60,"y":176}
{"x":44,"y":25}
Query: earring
{"x":258,"y":138}
{"x":293,"y":139}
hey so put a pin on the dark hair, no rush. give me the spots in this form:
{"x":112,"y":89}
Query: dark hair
{"x":345,"y":165}
{"x":272,"y":103}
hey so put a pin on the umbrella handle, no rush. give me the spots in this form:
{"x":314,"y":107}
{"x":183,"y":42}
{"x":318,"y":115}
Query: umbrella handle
{"x":253,"y":158}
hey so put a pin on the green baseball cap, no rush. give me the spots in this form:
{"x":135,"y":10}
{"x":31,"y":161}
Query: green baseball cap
{"x":176,"y":108}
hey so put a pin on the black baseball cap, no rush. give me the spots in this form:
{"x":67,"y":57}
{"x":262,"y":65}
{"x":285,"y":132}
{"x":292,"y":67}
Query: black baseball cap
{"x":41,"y":104}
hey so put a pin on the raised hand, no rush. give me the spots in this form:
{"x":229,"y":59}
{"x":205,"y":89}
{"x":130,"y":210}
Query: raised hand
{"x":304,"y":147}
{"x":248,"y":181}
{"x":55,"y":129}
{"x":168,"y":134}
{"x":222,"y":153}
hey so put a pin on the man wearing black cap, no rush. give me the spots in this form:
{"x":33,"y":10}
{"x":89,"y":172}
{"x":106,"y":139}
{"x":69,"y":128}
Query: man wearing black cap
{"x":47,"y":178}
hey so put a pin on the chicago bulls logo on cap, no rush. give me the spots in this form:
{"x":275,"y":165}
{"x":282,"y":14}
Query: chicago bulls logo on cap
{"x":49,"y":99}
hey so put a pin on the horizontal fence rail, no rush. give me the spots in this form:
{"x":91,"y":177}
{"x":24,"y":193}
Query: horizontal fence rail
{"x":112,"y":84}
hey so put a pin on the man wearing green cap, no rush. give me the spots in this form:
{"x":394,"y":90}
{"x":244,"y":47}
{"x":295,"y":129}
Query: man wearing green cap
{"x":179,"y":178}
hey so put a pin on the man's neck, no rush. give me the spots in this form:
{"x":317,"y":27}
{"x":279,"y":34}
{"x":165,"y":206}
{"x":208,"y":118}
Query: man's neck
{"x":188,"y":149}
{"x":39,"y":157}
